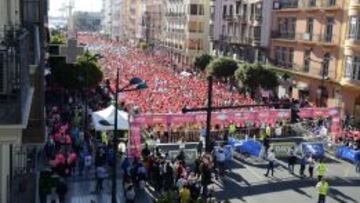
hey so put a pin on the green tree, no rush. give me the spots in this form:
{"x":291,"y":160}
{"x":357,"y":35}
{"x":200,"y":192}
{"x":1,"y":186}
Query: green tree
{"x":144,"y":46}
{"x":88,"y":70}
{"x":85,"y":73}
{"x":222,"y":67}
{"x":202,"y":61}
{"x":57,"y":39}
{"x":254,"y":76}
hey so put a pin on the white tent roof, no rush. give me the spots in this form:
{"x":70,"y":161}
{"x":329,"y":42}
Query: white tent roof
{"x":104,"y":119}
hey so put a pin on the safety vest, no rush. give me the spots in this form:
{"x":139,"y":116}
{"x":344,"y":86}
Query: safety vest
{"x":232,"y":129}
{"x":321,"y":169}
{"x":323,"y":188}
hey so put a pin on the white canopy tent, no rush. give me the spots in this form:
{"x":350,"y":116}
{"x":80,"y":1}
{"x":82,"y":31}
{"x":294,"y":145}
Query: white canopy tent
{"x":104,"y":119}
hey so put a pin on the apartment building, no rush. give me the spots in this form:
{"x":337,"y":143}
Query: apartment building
{"x":153,"y":21}
{"x":241,"y":29}
{"x":111,"y":21}
{"x":186,"y":32}
{"x":22,"y":38}
{"x":133,"y":16}
{"x":306,"y":42}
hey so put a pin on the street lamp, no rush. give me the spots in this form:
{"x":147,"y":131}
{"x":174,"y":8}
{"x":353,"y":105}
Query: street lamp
{"x":135,"y":84}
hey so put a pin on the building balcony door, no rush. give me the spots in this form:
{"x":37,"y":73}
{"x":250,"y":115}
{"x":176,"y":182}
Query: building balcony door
{"x":357,"y":107}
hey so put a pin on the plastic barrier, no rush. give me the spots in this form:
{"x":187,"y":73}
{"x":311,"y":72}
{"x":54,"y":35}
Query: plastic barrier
{"x":228,"y":152}
{"x":346,"y":153}
{"x":316,"y":149}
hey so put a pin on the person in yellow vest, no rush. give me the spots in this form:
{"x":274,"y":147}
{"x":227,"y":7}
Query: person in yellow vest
{"x":268,"y":131}
{"x":104,"y":138}
{"x":323,"y":188}
{"x":321,"y":170}
{"x":232,"y":129}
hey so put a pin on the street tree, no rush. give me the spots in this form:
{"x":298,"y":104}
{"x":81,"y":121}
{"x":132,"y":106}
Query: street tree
{"x":202,"y":61}
{"x":85,"y":73}
{"x":255,"y":76}
{"x":222,"y":68}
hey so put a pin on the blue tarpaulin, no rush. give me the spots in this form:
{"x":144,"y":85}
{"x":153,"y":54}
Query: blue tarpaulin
{"x":347,"y":153}
{"x":314,"y":148}
{"x":251,"y":147}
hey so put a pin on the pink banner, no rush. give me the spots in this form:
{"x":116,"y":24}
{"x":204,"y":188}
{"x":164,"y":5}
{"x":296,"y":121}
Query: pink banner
{"x":134,"y":143}
{"x":216,"y":117}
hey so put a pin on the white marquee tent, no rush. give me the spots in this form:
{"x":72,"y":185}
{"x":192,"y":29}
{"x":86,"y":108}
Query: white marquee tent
{"x":104,"y":119}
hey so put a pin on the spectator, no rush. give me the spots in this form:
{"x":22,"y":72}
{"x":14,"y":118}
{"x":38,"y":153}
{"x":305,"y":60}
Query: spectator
{"x":271,"y":162}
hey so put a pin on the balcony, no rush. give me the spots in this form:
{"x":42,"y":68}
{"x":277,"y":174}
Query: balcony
{"x":229,"y":17}
{"x":310,"y":5}
{"x":15,"y":89}
{"x":289,"y":36}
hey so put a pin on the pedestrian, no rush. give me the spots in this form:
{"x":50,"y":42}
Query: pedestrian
{"x":53,"y":197}
{"x":184,"y":194}
{"x":100,"y":176}
{"x":220,"y":159}
{"x":311,"y":163}
{"x":168,"y":176}
{"x":200,"y":148}
{"x":323,"y":187}
{"x":205,"y":169}
{"x":61,"y":190}
{"x":271,"y":159}
{"x":291,"y":160}
{"x":357,"y":164}
{"x":321,"y":170}
{"x":130,"y":194}
{"x":303,"y":161}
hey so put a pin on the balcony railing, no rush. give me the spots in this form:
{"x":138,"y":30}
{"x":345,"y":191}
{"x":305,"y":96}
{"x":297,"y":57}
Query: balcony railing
{"x":15,"y":58}
{"x":317,"y":38}
{"x":283,"y":35}
{"x":305,"y":4}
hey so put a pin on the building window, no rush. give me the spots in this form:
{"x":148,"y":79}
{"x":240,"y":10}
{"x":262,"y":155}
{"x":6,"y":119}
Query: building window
{"x":201,"y":9}
{"x":310,"y":27}
{"x":224,"y":11}
{"x":325,"y":65}
{"x":238,"y":4}
{"x":284,"y":56}
{"x":193,"y":9}
{"x":307,"y":56}
{"x":287,"y":27}
{"x":231,"y":10}
{"x":352,"y":68}
{"x":354,"y":28}
{"x":257,"y":33}
{"x":329,"y":29}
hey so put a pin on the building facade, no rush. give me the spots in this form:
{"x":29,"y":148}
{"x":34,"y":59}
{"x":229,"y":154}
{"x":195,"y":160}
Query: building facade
{"x":133,"y":18}
{"x":111,"y":19}
{"x":350,"y":75}
{"x":307,"y":42}
{"x":186,"y":31}
{"x":153,"y":21}
{"x":241,"y":29}
{"x":23,"y":37}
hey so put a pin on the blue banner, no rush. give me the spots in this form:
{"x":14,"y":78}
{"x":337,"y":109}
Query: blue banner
{"x":347,"y":153}
{"x":314,"y":148}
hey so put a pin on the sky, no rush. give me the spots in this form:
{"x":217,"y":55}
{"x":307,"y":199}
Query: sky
{"x":80,"y":5}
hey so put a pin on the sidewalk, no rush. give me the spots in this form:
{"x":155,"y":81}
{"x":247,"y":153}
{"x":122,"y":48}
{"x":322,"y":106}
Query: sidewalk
{"x":82,"y":191}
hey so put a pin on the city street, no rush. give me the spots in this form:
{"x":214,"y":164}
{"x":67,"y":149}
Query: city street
{"x":246,"y":183}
